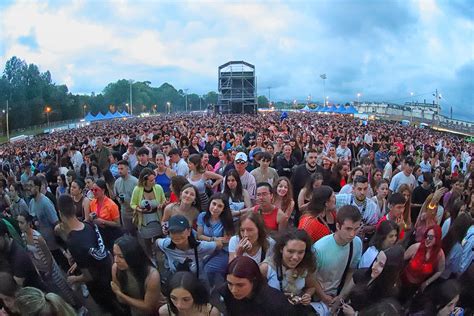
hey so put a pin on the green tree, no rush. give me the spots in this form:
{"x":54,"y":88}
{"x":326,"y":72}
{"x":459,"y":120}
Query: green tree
{"x":262,"y":101}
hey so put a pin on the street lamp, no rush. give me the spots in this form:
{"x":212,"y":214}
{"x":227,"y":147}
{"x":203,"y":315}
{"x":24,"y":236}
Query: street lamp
{"x":327,"y":100}
{"x":7,"y":121}
{"x":168,"y":104}
{"x":47,"y":110}
{"x":84,"y":110}
{"x":358,"y":98}
{"x":131,"y":99}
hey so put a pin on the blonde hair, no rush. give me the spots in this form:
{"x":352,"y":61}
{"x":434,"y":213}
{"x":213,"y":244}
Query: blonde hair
{"x":32,"y":301}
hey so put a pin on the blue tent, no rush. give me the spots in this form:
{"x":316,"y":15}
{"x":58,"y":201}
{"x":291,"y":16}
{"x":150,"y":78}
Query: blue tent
{"x":306,"y":108}
{"x":99,"y":117}
{"x":124,"y":114}
{"x":108,"y":115}
{"x":338,"y":110}
{"x":316,"y":109}
{"x":351,"y":110}
{"x":89,"y":117}
{"x":330,"y":109}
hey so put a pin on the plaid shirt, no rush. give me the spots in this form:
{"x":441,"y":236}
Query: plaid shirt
{"x":368,"y":210}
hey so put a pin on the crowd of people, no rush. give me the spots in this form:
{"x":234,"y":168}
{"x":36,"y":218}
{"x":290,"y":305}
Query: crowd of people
{"x":190,"y":214}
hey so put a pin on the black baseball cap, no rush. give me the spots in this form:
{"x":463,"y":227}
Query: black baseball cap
{"x":178,"y":223}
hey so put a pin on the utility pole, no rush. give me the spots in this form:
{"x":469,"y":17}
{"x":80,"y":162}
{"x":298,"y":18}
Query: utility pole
{"x":324,"y":77}
{"x":131,"y":98}
{"x":186,"y":99}
{"x":8,"y":127}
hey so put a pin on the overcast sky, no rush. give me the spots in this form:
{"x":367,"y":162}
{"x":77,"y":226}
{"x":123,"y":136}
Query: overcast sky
{"x":383,"y":49}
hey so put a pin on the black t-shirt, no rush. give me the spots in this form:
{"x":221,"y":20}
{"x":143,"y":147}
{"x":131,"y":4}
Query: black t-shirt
{"x":139,"y":168}
{"x":79,"y":243}
{"x":420,"y":194}
{"x":21,"y":266}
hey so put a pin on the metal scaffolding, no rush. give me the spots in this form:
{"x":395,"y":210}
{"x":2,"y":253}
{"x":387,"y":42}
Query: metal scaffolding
{"x":237,"y":88}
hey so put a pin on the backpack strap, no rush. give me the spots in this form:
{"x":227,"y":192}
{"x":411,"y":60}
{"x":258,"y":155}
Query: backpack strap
{"x":346,"y":270}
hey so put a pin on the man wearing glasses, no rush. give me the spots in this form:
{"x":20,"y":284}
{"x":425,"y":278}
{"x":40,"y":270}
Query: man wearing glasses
{"x":248,"y":181}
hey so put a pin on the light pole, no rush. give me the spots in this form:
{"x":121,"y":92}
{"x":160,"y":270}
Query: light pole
{"x":324,"y":77}
{"x":48,"y":110}
{"x":327,"y":100}
{"x":200,"y":99}
{"x":84,"y":110}
{"x":131,"y":97}
{"x":7,"y":122}
{"x":168,"y":104}
{"x":186,"y":100}
{"x":412,"y":106}
{"x":358,"y":98}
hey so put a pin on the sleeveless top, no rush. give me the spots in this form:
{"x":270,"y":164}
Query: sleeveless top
{"x":419,"y":269}
{"x":133,"y":290}
{"x":79,"y":209}
{"x":164,"y":181}
{"x":199,"y":184}
{"x":270,"y":219}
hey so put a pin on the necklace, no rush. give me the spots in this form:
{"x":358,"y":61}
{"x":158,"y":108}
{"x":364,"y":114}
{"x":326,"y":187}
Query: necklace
{"x":148,"y":191}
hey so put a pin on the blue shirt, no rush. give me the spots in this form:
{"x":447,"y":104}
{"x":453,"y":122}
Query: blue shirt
{"x":216,"y":229}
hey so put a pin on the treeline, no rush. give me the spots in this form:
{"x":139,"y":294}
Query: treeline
{"x":29,"y":92}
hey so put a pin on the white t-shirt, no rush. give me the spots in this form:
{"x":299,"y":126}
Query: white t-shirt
{"x":368,"y":257}
{"x":234,"y":242}
{"x":400,"y":178}
{"x":331,"y":260}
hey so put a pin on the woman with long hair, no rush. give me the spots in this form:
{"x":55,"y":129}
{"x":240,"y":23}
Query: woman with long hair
{"x":147,"y":202}
{"x":188,"y":206}
{"x":452,"y":245}
{"x":163,"y":173}
{"x":406,"y":191}
{"x":32,"y":301}
{"x":320,"y":217}
{"x":239,"y":198}
{"x":81,"y":203}
{"x":291,"y":268}
{"x":441,"y":302}
{"x":95,"y":172}
{"x":426,"y":263}
{"x":44,"y":261}
{"x":247,"y":293}
{"x":252,"y":239}
{"x":224,"y":160}
{"x":194,"y":148}
{"x":375,"y":283}
{"x":216,"y":224}
{"x":199,"y":177}
{"x":135,"y":281}
{"x":283,"y":196}
{"x":62,"y":187}
{"x":304,"y":197}
{"x":380,"y":197}
{"x":338,"y":177}
{"x":177,"y":183}
{"x":385,"y":237}
{"x":187,"y":296}
{"x":105,"y":214}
